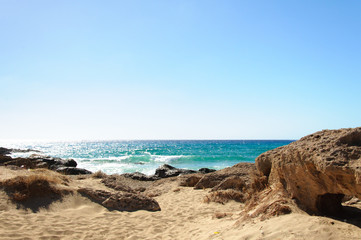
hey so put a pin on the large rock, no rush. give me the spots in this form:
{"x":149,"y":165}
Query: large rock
{"x":166,"y":171}
{"x":4,"y":151}
{"x":140,"y":176}
{"x":235,"y":177}
{"x":72,"y":170}
{"x":122,"y":201}
{"x":318,"y":170}
{"x":66,"y":166}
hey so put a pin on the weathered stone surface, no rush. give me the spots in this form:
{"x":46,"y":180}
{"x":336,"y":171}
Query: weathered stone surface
{"x":52,"y":162}
{"x":114,"y":183}
{"x":4,"y":151}
{"x":140,"y":176}
{"x":318,"y":170}
{"x":206,"y":170}
{"x":190,"y":180}
{"x":72,"y":170}
{"x":240,"y":173}
{"x":66,"y":166}
{"x":166,"y":171}
{"x":122,"y":201}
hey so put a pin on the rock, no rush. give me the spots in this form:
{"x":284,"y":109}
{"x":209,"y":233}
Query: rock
{"x":206,"y":170}
{"x":21,"y":162}
{"x":232,"y":182}
{"x":4,"y":159}
{"x":140,"y":176}
{"x":96,"y":195}
{"x":114,"y":183}
{"x":166,"y":171}
{"x":240,"y":173}
{"x":72,"y":170}
{"x":131,"y":202}
{"x":52,"y":162}
{"x":4,"y":151}
{"x":190,"y":180}
{"x":318,"y":170}
{"x":24,"y":150}
{"x":122,"y":201}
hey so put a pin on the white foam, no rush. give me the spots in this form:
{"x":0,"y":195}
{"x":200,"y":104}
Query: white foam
{"x":165,"y":159}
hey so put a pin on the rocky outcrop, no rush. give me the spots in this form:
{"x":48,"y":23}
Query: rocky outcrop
{"x":115,"y":183}
{"x":72,"y":170}
{"x":318,"y":170}
{"x":65,"y":166}
{"x":140,"y":176}
{"x":4,"y":151}
{"x":122,"y":201}
{"x":165,"y":171}
{"x":235,"y":177}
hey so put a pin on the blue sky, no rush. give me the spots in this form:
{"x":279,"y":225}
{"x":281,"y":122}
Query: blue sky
{"x":178,"y":69}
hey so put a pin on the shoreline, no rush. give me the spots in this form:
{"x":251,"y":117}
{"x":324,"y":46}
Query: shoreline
{"x":265,"y":200}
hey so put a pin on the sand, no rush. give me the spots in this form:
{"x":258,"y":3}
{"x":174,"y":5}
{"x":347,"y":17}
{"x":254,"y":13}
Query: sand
{"x":184,"y":215}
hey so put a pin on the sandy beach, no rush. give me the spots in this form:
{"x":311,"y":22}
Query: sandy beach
{"x":183,"y":215}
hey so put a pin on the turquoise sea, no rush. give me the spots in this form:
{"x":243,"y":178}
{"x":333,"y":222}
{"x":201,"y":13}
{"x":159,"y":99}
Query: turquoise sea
{"x":145,"y":156}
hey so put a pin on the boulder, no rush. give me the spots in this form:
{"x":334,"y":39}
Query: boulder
{"x":4,"y":151}
{"x":116,"y":184}
{"x":166,"y":171}
{"x":72,"y":170}
{"x":206,"y":170}
{"x":318,"y":170}
{"x":231,"y":177}
{"x":140,"y":176}
{"x":122,"y":201}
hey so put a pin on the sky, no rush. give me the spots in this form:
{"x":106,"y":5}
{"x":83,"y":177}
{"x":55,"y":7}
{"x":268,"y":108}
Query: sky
{"x":102,"y":70}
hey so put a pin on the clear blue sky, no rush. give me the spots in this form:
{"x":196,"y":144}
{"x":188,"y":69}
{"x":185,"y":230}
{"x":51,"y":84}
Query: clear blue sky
{"x":178,"y":69}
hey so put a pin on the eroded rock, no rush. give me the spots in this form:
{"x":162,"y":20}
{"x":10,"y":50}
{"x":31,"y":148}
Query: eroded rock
{"x":236,"y":177}
{"x":122,"y":201}
{"x":318,"y":170}
{"x":166,"y":171}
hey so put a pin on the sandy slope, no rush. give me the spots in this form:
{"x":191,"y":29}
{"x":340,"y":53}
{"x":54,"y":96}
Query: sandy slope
{"x":183,"y":216}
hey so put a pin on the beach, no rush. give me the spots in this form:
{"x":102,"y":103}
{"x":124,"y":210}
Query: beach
{"x":184,"y":215}
{"x":308,"y":189}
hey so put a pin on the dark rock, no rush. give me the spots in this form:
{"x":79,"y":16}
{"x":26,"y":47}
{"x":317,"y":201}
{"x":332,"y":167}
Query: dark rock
{"x":52,"y":162}
{"x":4,"y":151}
{"x":21,"y":162}
{"x":4,"y":159}
{"x":166,"y":171}
{"x":122,"y":201}
{"x":206,"y":170}
{"x":72,"y":170}
{"x":24,"y":150}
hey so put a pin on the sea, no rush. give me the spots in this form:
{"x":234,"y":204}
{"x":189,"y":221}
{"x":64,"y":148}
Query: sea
{"x":146,"y":155}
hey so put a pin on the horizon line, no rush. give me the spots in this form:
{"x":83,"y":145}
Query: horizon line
{"x":126,"y":140}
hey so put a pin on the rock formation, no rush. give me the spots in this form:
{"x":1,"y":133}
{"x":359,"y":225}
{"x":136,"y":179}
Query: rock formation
{"x":65,"y":166}
{"x":122,"y":201}
{"x":165,"y":171}
{"x":235,"y":177}
{"x":318,"y":170}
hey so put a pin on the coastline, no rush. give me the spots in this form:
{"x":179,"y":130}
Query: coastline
{"x":245,"y":201}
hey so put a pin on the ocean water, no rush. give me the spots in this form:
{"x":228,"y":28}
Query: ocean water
{"x":145,"y":156}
